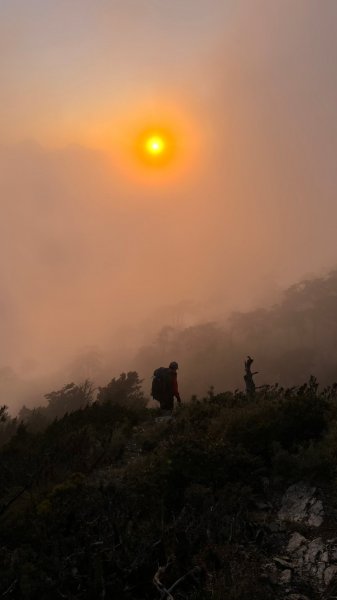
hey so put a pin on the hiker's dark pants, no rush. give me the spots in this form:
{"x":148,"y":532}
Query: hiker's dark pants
{"x":167,"y":402}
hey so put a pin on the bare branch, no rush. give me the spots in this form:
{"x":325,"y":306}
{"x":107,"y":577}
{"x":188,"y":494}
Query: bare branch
{"x":164,"y":593}
{"x":192,"y":572}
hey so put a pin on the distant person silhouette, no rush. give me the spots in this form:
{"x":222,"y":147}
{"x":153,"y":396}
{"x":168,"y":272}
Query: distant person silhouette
{"x":165,"y":387}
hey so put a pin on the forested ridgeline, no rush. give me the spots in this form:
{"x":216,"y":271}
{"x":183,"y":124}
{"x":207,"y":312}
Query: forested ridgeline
{"x":107,"y":501}
{"x":293,"y":338}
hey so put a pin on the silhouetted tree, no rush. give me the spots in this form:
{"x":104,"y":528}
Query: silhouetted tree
{"x":71,"y":397}
{"x":3,"y":413}
{"x":124,"y":389}
{"x":248,"y":377}
{"x":66,"y":400}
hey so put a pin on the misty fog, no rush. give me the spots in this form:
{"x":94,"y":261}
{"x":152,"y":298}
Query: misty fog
{"x":103,"y":273}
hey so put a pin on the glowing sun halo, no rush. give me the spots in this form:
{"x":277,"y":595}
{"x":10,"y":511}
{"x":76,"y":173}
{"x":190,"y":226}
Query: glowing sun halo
{"x":155,"y":148}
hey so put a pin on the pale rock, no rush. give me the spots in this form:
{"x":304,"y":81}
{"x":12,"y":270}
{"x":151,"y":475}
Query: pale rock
{"x":315,"y":547}
{"x":285,"y":577}
{"x":320,"y":570}
{"x":329,"y":574}
{"x":164,"y":419}
{"x":300,"y":505}
{"x":295,"y":542}
{"x":315,"y":518}
{"x":333,"y":553}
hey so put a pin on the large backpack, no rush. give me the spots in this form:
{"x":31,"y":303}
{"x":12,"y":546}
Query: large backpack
{"x":161,"y":383}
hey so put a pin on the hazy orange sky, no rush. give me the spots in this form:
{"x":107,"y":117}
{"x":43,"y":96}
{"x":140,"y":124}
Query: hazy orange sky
{"x":98,"y":249}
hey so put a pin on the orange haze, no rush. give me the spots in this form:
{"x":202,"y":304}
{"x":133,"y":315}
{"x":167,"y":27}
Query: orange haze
{"x":99,"y":249}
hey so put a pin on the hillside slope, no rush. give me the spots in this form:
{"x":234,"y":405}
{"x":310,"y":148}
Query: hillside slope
{"x":109,"y":502}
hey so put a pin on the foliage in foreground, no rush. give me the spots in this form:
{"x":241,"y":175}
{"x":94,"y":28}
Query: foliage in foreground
{"x":94,"y":504}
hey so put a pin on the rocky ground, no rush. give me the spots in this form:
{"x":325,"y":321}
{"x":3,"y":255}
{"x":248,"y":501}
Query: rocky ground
{"x":303,"y":565}
{"x":294,"y":531}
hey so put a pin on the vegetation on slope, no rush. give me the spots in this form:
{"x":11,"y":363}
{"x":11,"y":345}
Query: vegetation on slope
{"x":107,"y":502}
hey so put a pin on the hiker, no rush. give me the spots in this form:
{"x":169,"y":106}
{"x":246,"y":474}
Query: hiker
{"x":165,"y":386}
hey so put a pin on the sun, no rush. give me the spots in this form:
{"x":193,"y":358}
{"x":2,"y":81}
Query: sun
{"x":155,"y":147}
